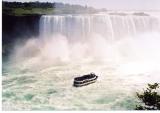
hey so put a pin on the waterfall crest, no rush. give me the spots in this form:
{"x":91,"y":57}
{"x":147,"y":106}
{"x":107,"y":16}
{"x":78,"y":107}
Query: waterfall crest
{"x":112,"y":27}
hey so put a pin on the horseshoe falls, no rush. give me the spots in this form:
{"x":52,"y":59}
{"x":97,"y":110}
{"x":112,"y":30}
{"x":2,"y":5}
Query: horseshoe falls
{"x":123,"y":50}
{"x":111,"y":27}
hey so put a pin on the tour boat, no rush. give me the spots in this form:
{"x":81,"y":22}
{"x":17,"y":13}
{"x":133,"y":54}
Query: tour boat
{"x":85,"y":80}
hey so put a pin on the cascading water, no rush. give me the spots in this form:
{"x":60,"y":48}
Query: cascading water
{"x":112,"y":27}
{"x":122,"y":50}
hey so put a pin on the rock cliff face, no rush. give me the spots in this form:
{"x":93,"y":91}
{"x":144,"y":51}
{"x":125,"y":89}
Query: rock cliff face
{"x":18,"y":27}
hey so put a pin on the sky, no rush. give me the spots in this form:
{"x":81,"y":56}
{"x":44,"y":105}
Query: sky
{"x":111,"y":4}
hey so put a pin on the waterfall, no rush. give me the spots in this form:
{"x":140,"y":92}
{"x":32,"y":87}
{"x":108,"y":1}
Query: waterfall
{"x":111,"y":39}
{"x":124,"y":51}
{"x":112,"y":27}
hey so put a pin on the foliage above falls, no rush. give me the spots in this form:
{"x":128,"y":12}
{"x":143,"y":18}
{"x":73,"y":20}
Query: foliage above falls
{"x":40,"y":8}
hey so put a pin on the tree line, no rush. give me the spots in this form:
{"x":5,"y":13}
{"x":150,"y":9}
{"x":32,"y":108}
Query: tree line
{"x":59,"y":8}
{"x":27,"y":4}
{"x":37,"y":4}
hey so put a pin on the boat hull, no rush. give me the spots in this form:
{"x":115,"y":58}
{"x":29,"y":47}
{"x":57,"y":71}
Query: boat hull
{"x":84,"y":82}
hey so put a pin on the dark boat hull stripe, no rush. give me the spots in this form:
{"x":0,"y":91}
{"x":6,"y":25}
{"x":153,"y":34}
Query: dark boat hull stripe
{"x":87,"y":83}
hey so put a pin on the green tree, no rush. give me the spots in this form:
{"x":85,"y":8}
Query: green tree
{"x":150,"y":98}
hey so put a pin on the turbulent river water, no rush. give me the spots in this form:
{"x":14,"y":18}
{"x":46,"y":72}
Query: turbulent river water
{"x":123,"y":50}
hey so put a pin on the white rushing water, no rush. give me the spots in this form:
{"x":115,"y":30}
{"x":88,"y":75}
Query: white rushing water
{"x":111,"y":27}
{"x":123,"y":50}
